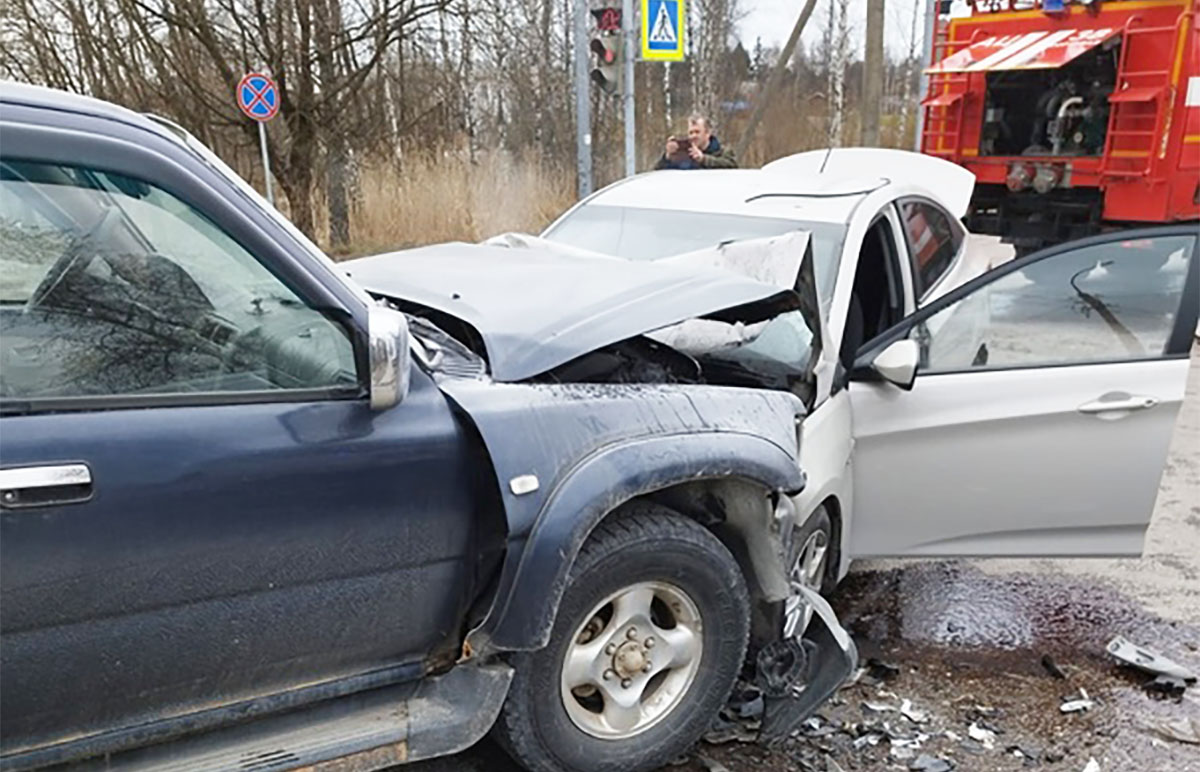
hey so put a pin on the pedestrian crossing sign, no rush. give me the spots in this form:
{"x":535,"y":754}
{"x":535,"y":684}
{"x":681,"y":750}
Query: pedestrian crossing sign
{"x":663,"y":25}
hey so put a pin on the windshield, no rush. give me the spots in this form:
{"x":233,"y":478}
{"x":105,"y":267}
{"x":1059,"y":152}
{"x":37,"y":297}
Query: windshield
{"x":650,"y":234}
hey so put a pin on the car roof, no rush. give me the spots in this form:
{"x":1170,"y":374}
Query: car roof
{"x":14,"y":93}
{"x":750,"y":192}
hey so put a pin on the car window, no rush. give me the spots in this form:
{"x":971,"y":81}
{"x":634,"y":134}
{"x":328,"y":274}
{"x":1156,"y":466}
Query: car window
{"x":1100,"y":303}
{"x":651,"y":234}
{"x":933,"y":241}
{"x":115,"y":287}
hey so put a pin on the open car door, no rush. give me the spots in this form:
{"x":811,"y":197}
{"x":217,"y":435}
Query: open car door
{"x":1029,"y":412}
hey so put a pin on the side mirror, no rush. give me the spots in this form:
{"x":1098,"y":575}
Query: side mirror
{"x":390,"y":356}
{"x":897,"y":364}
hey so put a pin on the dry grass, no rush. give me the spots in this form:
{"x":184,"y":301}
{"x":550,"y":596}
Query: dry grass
{"x":437,"y":197}
{"x":432,"y":199}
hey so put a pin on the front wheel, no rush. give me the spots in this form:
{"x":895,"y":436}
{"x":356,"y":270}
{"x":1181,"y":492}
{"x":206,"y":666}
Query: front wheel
{"x":650,"y":635}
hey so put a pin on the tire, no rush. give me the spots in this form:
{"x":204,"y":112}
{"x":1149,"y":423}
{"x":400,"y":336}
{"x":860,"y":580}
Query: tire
{"x":818,"y":527}
{"x":688,"y":569}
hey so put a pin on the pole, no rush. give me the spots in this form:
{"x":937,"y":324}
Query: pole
{"x":926,"y":63}
{"x":773,"y":80}
{"x":262,"y":140}
{"x":630,"y":36}
{"x":583,"y":118}
{"x":872,"y":75}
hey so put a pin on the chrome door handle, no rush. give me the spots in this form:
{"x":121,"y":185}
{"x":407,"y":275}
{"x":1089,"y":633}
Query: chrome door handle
{"x":34,"y":486}
{"x":1123,"y":403}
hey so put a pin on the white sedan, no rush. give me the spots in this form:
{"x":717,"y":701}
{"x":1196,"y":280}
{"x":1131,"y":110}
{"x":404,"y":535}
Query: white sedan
{"x":1047,"y":389}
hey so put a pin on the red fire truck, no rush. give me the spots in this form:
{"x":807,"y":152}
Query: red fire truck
{"x":1075,"y":116}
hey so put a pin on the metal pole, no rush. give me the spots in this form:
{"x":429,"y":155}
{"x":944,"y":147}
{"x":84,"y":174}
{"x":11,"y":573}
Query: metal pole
{"x":262,"y":140}
{"x":628,"y":32}
{"x":926,"y":63}
{"x":773,"y":80}
{"x":583,"y":118}
{"x":872,"y":75}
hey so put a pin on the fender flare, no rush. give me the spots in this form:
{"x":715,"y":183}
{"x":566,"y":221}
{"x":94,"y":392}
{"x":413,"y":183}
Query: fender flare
{"x":534,"y":575}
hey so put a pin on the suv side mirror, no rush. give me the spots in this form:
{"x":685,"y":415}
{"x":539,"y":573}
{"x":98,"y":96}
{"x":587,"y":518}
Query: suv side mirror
{"x":390,"y":356}
{"x":897,"y":364}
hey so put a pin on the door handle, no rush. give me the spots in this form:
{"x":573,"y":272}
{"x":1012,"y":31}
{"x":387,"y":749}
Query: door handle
{"x":40,"y":486}
{"x":1117,"y":403}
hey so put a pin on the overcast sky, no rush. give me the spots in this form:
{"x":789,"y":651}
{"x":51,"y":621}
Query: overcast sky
{"x":772,"y":20}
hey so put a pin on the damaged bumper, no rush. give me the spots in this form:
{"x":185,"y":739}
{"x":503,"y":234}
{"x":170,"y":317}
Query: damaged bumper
{"x":801,"y":670}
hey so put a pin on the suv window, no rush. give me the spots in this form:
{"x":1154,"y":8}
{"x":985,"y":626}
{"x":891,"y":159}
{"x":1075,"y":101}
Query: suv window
{"x":933,"y":241}
{"x":113,"y":286}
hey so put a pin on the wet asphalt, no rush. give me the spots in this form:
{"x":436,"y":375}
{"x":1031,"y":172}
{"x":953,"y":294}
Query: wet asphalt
{"x":968,"y":640}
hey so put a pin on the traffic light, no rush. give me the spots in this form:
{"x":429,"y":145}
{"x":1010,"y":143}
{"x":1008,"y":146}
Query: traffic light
{"x":606,"y":45}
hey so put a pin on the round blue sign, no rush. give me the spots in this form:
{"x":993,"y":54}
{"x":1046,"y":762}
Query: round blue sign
{"x":258,"y":97}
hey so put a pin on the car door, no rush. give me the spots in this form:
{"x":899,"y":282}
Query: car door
{"x":1048,"y":437}
{"x":200,"y":511}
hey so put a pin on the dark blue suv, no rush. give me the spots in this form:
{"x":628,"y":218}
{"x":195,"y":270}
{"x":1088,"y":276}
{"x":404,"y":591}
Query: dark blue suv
{"x":254,"y":517}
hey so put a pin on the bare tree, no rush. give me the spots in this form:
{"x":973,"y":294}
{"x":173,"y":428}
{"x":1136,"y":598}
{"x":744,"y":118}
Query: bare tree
{"x":839,"y":39}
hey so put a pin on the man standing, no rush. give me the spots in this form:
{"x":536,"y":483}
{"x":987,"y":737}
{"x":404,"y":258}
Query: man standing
{"x":701,"y":149}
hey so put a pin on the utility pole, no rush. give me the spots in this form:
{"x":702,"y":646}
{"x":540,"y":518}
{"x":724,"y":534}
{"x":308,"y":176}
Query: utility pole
{"x":772,"y":80}
{"x":872,"y":75}
{"x":583,"y":116}
{"x":926,"y":63}
{"x":630,"y":39}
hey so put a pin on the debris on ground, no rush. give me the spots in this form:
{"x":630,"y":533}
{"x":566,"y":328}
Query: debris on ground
{"x":712,"y":765}
{"x":913,"y":714}
{"x":1031,"y":754}
{"x":1168,"y":686}
{"x":927,"y":763}
{"x":981,"y":735}
{"x":727,"y":730}
{"x":1184,"y":730}
{"x":1092,"y":766}
{"x":1052,"y":667}
{"x":1077,"y":703}
{"x":1144,"y":659}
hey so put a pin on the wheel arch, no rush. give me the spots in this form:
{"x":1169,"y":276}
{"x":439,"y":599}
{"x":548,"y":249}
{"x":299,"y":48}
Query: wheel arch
{"x":738,"y":484}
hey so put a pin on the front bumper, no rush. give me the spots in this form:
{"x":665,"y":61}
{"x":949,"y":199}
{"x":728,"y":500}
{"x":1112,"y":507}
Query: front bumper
{"x":799,"y":673}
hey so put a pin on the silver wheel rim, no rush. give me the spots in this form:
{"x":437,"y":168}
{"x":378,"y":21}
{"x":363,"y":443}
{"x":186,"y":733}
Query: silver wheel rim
{"x":632,"y":660}
{"x":809,"y":568}
{"x":808,"y":571}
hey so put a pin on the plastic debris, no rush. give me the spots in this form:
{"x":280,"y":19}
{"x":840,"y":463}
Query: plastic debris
{"x":985,"y":737}
{"x":913,"y":714}
{"x":1077,"y":704}
{"x":1092,"y":766}
{"x":1144,"y":659}
{"x":712,"y":765}
{"x":870,"y":738}
{"x":1184,"y":730}
{"x":1169,"y":686}
{"x":725,"y":731}
{"x":878,"y":707}
{"x":927,"y":763}
{"x":1052,"y":667}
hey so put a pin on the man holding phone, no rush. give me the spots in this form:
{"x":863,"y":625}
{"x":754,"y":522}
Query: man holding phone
{"x":699,"y":150}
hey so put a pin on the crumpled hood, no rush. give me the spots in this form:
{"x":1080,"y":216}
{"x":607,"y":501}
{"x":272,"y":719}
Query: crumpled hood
{"x":539,"y":308}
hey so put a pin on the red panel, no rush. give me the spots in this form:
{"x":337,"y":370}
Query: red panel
{"x":942,"y":100}
{"x":1141,"y":94}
